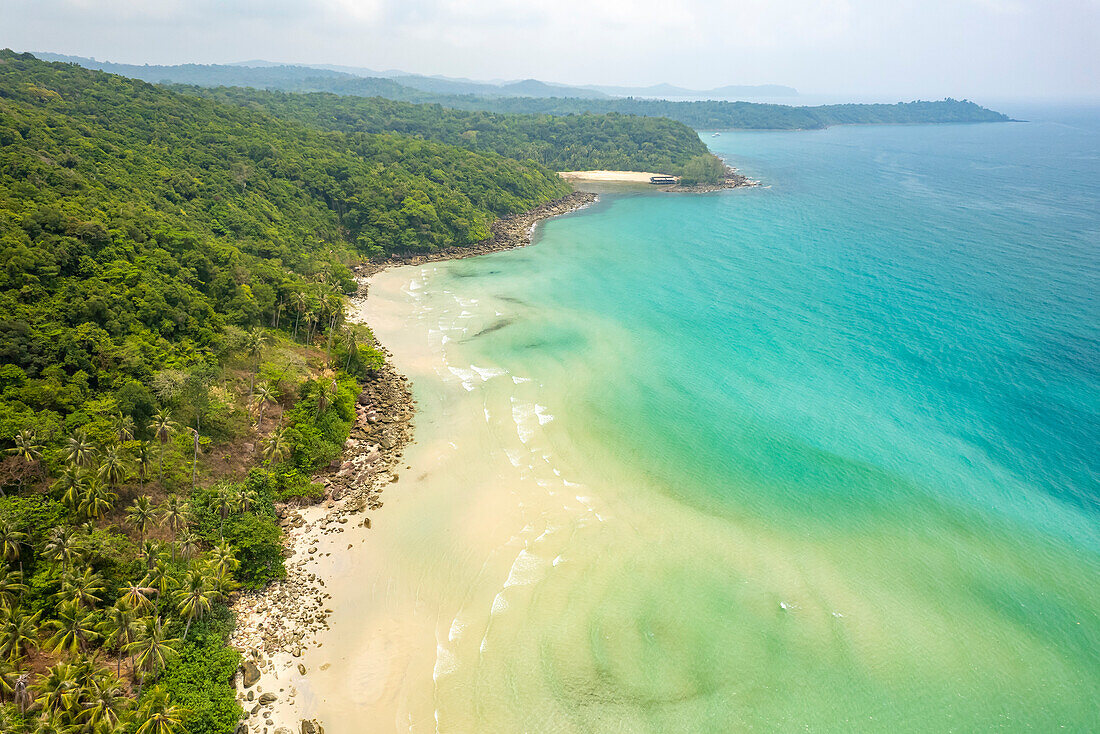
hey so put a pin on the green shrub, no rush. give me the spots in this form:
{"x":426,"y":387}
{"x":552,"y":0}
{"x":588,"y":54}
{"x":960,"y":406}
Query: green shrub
{"x":257,"y":542}
{"x":201,"y":680}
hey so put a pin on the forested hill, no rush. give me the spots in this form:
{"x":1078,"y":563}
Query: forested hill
{"x":561,"y":143}
{"x":135,"y":223}
{"x":714,"y":115}
{"x":700,"y":115}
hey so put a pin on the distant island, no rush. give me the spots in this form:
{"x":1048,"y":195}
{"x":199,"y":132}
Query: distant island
{"x":540,"y":98}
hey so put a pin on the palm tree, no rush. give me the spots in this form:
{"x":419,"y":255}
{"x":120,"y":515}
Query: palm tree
{"x":152,"y":650}
{"x":193,"y":599}
{"x":264,"y":394}
{"x":188,"y":544}
{"x":57,"y":689}
{"x":119,"y":628}
{"x":8,"y":675}
{"x":224,"y":503}
{"x":136,"y":597}
{"x":27,"y":446}
{"x":143,"y":462}
{"x":277,"y":446}
{"x":244,"y":496}
{"x":149,"y":552}
{"x":113,"y":467}
{"x":18,"y":633}
{"x":162,"y":427}
{"x":159,"y":716}
{"x":123,"y":427}
{"x":79,"y":450}
{"x":301,"y":303}
{"x":141,"y":513}
{"x":195,"y":458}
{"x":160,"y":578}
{"x":97,"y":500}
{"x":83,"y":589}
{"x":11,"y":543}
{"x":73,"y":629}
{"x":222,"y":583}
{"x":70,"y":485}
{"x":23,"y":698}
{"x":326,"y":395}
{"x":11,"y":586}
{"x":352,"y":345}
{"x":104,"y":706}
{"x":222,"y":558}
{"x":174,"y":512}
{"x":63,"y":546}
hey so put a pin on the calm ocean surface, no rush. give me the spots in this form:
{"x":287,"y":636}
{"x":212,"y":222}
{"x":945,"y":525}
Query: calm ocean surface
{"x":830,"y":449}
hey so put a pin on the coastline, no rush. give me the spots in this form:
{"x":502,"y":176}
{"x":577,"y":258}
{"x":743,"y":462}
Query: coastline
{"x":276,"y":624}
{"x":733,"y":180}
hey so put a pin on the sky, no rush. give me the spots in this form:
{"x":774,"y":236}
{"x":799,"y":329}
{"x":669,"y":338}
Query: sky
{"x":903,"y":49}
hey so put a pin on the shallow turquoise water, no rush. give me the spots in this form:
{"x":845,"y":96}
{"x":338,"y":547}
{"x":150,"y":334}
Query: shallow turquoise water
{"x":890,"y":357}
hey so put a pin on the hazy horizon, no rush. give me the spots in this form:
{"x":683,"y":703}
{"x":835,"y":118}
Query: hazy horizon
{"x":985,"y":50}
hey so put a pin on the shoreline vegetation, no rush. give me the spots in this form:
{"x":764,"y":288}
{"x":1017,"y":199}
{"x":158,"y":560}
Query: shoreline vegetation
{"x":277,"y":623}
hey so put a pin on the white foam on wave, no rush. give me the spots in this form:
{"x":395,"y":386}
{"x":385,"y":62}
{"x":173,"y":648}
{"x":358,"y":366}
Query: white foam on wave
{"x":526,"y":569}
{"x":445,"y":662}
{"x":500,"y":604}
{"x":519,"y":380}
{"x":486,"y":414}
{"x":513,"y":457}
{"x":488,"y":373}
{"x":543,"y":416}
{"x":557,"y":560}
{"x":524,"y":416}
{"x":457,"y":628}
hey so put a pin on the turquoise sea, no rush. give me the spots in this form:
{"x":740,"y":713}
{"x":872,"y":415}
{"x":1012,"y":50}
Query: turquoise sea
{"x":822,"y":455}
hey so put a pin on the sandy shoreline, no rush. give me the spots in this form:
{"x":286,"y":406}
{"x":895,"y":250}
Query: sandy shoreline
{"x":733,"y":180}
{"x":611,"y":176}
{"x":276,"y":625}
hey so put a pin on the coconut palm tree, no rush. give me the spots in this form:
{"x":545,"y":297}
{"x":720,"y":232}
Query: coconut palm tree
{"x":244,"y":497}
{"x":153,"y":650}
{"x":97,"y":500}
{"x":141,"y":514}
{"x":63,"y":546}
{"x":57,"y":688}
{"x":11,"y":589}
{"x":8,"y":675}
{"x":11,"y":543}
{"x":73,"y":629}
{"x":326,"y":395}
{"x":224,"y":503}
{"x":160,"y":716}
{"x":18,"y":633}
{"x":104,"y":706}
{"x":195,"y":457}
{"x":222,"y":583}
{"x":277,"y":446}
{"x":351,"y":344}
{"x":195,"y":597}
{"x":188,"y":544}
{"x":301,"y":304}
{"x":175,"y":512}
{"x":160,"y":578}
{"x":149,"y":552}
{"x":162,"y":428}
{"x":123,"y":427}
{"x":143,"y":462}
{"x":79,"y":450}
{"x":264,"y":394}
{"x":27,"y":446}
{"x":83,"y":589}
{"x":222,"y":558}
{"x":70,"y":485}
{"x":114,"y":466}
{"x":119,"y":628}
{"x":136,"y":597}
